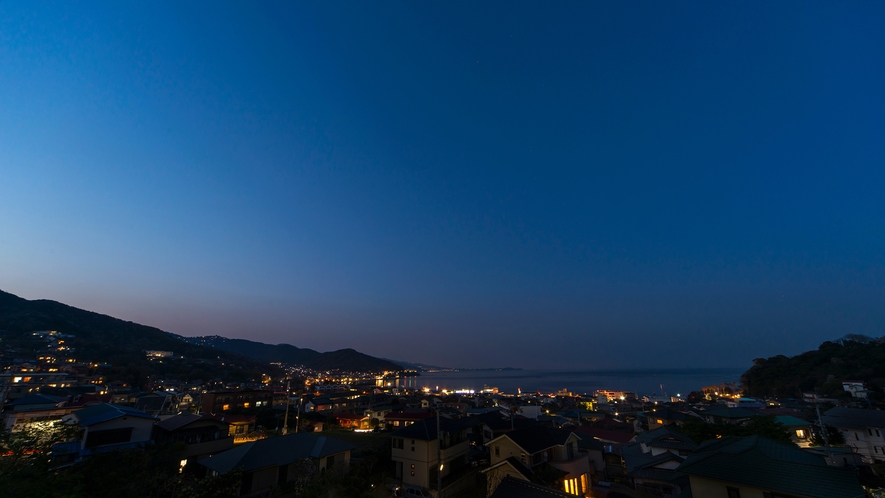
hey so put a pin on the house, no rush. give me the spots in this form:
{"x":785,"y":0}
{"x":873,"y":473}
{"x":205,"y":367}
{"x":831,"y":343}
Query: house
{"x":353,"y":420}
{"x":815,"y":397}
{"x":157,"y":403}
{"x":650,"y":461}
{"x":857,"y":388}
{"x":863,"y":430}
{"x":664,"y":416}
{"x":748,"y":403}
{"x":267,"y":463}
{"x":577,"y":416}
{"x":539,"y":445}
{"x":841,"y":456}
{"x":225,"y":401}
{"x":105,"y":427}
{"x":418,"y":451}
{"x":495,"y":424}
{"x":377,"y":411}
{"x":508,"y":467}
{"x":610,"y":438}
{"x":596,"y":450}
{"x":204,"y":435}
{"x":21,"y":384}
{"x":318,"y":405}
{"x":728,"y":415}
{"x":394,"y":420}
{"x":242,"y":428}
{"x":34,"y":409}
{"x":800,"y":430}
{"x":511,"y":487}
{"x":753,"y":466}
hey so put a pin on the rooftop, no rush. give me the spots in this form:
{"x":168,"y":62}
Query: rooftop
{"x":763,"y":463}
{"x":275,"y":452}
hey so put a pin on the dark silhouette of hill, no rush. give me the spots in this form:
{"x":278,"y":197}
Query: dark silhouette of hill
{"x":854,"y":357}
{"x":343,"y":359}
{"x":105,"y":339}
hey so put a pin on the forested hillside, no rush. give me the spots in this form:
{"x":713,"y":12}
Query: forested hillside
{"x":854,"y":357}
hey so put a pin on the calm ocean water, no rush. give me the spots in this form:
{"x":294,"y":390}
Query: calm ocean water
{"x":642,"y":382}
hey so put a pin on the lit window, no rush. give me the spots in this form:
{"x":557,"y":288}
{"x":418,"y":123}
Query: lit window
{"x":800,"y":433}
{"x":660,"y":422}
{"x":225,"y":407}
{"x":246,"y":404}
{"x":572,"y":486}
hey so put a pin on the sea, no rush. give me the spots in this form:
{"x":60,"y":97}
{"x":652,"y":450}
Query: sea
{"x":660,"y":382}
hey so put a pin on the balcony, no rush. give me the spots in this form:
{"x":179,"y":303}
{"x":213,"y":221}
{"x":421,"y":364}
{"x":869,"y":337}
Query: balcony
{"x":454,"y":451}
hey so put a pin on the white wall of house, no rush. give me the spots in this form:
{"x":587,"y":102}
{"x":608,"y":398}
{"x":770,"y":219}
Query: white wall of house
{"x":142,"y":428}
{"x":503,"y":448}
{"x":870,"y":442}
{"x":416,"y":457}
{"x":423,"y":455}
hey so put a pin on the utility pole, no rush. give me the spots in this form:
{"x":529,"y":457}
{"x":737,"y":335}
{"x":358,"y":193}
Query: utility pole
{"x":286,"y":417}
{"x":298,"y":416}
{"x":823,"y":430}
{"x":438,"y":457}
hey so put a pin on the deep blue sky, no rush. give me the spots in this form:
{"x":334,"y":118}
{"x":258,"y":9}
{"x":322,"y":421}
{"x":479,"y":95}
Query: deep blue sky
{"x":581,"y":185}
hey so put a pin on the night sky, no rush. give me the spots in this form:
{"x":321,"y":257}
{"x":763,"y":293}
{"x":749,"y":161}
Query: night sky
{"x":565,"y":185}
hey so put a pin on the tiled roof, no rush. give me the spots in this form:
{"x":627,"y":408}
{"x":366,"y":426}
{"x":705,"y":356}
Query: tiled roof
{"x":425,"y":429}
{"x":666,"y":414}
{"x":665,"y":437}
{"x":275,"y":452}
{"x":730,"y":413}
{"x":511,"y":487}
{"x":854,"y":418}
{"x":105,"y":411}
{"x":590,"y":443}
{"x":37,"y":399}
{"x":497,"y":422}
{"x":791,"y":421}
{"x":763,"y":463}
{"x":635,"y":459}
{"x":538,"y":438}
{"x":666,"y":475}
{"x":516,"y":464}
{"x":604,"y":434}
{"x":89,"y":399}
{"x":181,"y":420}
{"x":408,"y":415}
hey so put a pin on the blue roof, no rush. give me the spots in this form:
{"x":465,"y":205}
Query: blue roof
{"x":791,"y":421}
{"x":275,"y":452}
{"x":37,"y":399}
{"x":106,"y":411}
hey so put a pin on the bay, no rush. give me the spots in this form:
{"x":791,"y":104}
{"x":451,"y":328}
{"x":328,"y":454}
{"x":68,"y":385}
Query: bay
{"x":642,"y":382}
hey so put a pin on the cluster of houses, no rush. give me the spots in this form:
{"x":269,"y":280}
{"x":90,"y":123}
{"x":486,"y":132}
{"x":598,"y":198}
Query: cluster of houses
{"x":454,"y":443}
{"x":534,"y":446}
{"x":512,"y":445}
